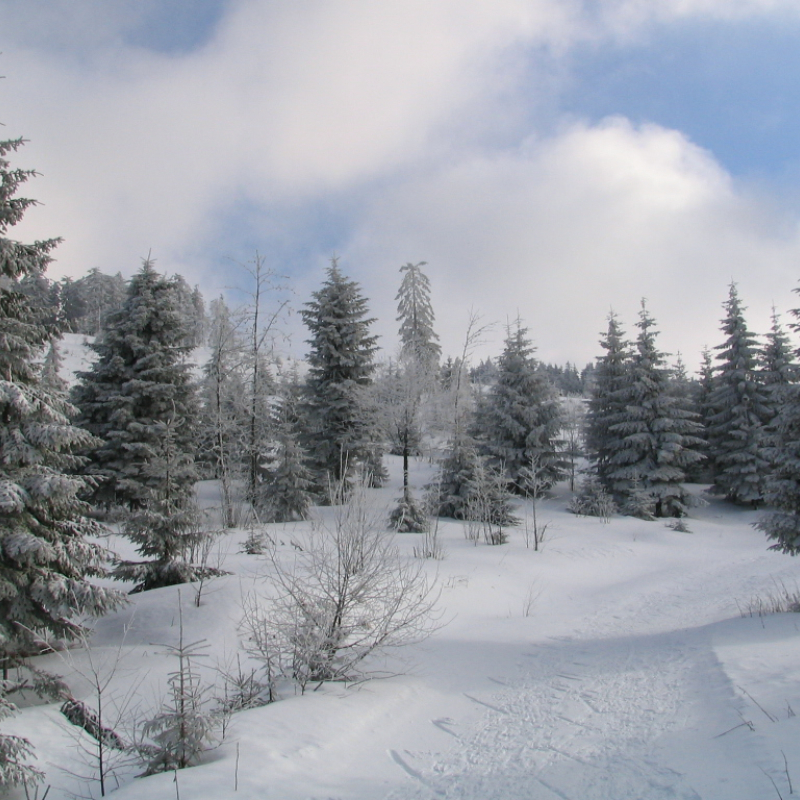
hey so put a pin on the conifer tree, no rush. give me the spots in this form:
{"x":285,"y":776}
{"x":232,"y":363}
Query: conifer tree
{"x":47,"y":558}
{"x":284,"y":494}
{"x":520,"y":417}
{"x":606,"y":401}
{"x":50,"y":370}
{"x":338,"y":419}
{"x":738,"y":409}
{"x":166,"y":528}
{"x":778,"y":365}
{"x":658,"y":435}
{"x":419,"y":342}
{"x":782,"y":490}
{"x":139,"y":382}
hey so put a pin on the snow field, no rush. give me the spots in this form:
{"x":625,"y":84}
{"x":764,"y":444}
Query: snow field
{"x":613,"y":664}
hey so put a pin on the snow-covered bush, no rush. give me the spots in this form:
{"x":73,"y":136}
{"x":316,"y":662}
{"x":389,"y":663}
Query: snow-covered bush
{"x":341,"y":595}
{"x":592,"y":500}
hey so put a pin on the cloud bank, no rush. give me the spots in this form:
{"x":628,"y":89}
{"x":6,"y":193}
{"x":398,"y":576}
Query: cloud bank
{"x":427,"y":131}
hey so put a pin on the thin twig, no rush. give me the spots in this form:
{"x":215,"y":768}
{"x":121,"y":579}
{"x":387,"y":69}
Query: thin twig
{"x":786,"y":770}
{"x":766,"y":713}
{"x":740,"y":725}
{"x":772,"y":782}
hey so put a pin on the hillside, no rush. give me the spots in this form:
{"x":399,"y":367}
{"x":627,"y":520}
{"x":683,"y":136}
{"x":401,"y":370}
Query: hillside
{"x":618,"y":662}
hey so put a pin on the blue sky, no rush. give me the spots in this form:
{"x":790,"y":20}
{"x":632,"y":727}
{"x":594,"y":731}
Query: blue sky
{"x":550,"y":159}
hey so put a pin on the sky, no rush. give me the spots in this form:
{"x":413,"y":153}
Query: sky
{"x":549,"y":160}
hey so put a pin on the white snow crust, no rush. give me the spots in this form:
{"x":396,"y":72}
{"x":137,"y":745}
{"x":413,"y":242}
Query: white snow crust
{"x":620,"y":662}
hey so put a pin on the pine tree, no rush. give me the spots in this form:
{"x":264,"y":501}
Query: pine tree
{"x":338,"y":419}
{"x":783,"y":442}
{"x":166,"y":528}
{"x":738,"y":410}
{"x":415,"y":376}
{"x":47,"y":560}
{"x":657,"y":436}
{"x":606,"y":402}
{"x":450,"y":490}
{"x":139,"y":382}
{"x":419,"y":342}
{"x":50,"y":370}
{"x":520,"y":417}
{"x":778,"y":366}
{"x":284,"y":495}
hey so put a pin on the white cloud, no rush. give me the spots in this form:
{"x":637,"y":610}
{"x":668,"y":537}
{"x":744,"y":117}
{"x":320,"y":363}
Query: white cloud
{"x":412,"y":111}
{"x":567,"y":228}
{"x":287,"y":100}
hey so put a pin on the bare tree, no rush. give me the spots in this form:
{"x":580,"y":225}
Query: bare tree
{"x":101,"y":717}
{"x":535,"y":481}
{"x":343,"y":594}
{"x":573,"y":419}
{"x":262,"y":327}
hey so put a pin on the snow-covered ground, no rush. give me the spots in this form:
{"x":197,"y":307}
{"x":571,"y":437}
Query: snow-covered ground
{"x":615,"y":663}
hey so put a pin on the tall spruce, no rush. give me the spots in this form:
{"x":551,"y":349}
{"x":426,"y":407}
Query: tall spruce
{"x":519,"y":419}
{"x":419,"y":342}
{"x":140,"y":382}
{"x":782,"y":490}
{"x":339,"y":420}
{"x":415,"y":376}
{"x":778,"y":365}
{"x":737,"y":410}
{"x":658,"y":435}
{"x":606,"y":401}
{"x":47,"y":554}
{"x":284,"y":494}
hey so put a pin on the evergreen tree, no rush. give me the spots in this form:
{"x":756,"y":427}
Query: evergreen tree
{"x":606,"y":401}
{"x":781,"y":490}
{"x":284,"y":494}
{"x":520,"y":417}
{"x":166,"y":528}
{"x":47,"y":559}
{"x":338,"y":420}
{"x":419,"y":342}
{"x":50,"y":370}
{"x":657,"y":436}
{"x":89,"y":300}
{"x":139,"y":382}
{"x":778,"y":365}
{"x":738,"y":408}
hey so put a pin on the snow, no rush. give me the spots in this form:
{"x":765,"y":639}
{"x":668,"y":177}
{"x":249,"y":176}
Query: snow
{"x":618,"y":662}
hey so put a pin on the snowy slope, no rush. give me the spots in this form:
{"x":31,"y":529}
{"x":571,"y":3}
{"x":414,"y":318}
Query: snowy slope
{"x":613,"y":664}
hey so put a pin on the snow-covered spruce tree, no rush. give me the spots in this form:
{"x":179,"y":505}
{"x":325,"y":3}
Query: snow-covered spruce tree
{"x":339,"y":423}
{"x":418,"y":340}
{"x":782,"y":490}
{"x":139,"y":382}
{"x":738,"y":409}
{"x":778,"y":366}
{"x":657,"y":437}
{"x":520,"y":416}
{"x":166,"y":529}
{"x":411,"y":385}
{"x":50,"y":376}
{"x":46,"y":558}
{"x":606,"y":401}
{"x":284,"y":494}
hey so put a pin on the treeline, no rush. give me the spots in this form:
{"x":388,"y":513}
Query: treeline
{"x":83,"y":305}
